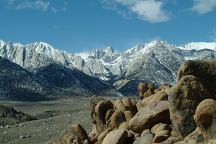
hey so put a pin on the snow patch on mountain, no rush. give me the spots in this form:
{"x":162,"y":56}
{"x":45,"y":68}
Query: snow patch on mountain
{"x":156,"y":61}
{"x":85,"y":56}
{"x":199,"y":46}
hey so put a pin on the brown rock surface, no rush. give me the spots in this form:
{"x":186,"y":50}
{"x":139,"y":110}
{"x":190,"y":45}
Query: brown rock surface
{"x":183,"y":100}
{"x":119,"y":136}
{"x":74,"y":135}
{"x":145,"y":138}
{"x":119,"y":105}
{"x":93,"y":134}
{"x":161,"y":136}
{"x":116,"y":119}
{"x":161,"y":95}
{"x":93,"y":102}
{"x":124,"y":125}
{"x":205,"y":118}
{"x":139,"y":105}
{"x":145,"y":90}
{"x":159,"y":127}
{"x":128,"y":115}
{"x":103,"y":135}
{"x":204,"y":70}
{"x":100,"y":114}
{"x":127,"y":103}
{"x":149,"y":115}
{"x":109,"y":114}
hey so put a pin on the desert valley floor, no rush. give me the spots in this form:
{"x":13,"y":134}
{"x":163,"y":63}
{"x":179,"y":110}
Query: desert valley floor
{"x":53,"y":118}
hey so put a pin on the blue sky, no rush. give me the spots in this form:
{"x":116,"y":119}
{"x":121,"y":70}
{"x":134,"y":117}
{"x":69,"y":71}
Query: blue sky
{"x":78,"y":25}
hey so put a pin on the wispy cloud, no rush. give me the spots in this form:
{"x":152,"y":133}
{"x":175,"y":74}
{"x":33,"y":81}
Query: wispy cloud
{"x":146,"y":10}
{"x":37,"y":5}
{"x":11,"y":2}
{"x":40,"y":5}
{"x":204,"y":6}
{"x":54,"y":10}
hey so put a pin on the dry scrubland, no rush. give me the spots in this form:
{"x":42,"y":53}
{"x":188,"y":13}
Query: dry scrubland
{"x":53,"y":118}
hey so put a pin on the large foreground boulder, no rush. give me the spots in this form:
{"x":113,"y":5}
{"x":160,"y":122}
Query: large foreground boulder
{"x":183,"y":99}
{"x":205,"y":118}
{"x":150,"y":115}
{"x":204,"y":70}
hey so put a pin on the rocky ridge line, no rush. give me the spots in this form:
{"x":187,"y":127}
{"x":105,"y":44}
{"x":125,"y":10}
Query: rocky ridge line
{"x":154,"y":62}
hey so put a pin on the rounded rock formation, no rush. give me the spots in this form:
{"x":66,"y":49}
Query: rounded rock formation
{"x":100,"y":114}
{"x":205,"y":118}
{"x":116,"y":137}
{"x":204,"y":70}
{"x":74,"y":135}
{"x":183,"y":99}
{"x":150,"y":115}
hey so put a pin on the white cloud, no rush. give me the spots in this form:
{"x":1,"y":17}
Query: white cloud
{"x":40,"y":5}
{"x":147,"y":10}
{"x":37,"y":5}
{"x":204,"y":6}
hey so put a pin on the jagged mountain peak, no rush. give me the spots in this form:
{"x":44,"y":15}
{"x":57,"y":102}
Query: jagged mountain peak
{"x":159,"y":44}
{"x":155,"y":61}
{"x":108,"y":49}
{"x":104,"y":51}
{"x":2,"y":43}
{"x":156,"y":42}
{"x":44,"y":48}
{"x":41,"y":44}
{"x":106,"y":55}
{"x":140,"y":49}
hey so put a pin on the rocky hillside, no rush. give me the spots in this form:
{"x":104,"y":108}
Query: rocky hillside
{"x":53,"y":80}
{"x":156,"y":62}
{"x":72,"y":82}
{"x":184,"y":113}
{"x":19,"y":84}
{"x":9,"y":115}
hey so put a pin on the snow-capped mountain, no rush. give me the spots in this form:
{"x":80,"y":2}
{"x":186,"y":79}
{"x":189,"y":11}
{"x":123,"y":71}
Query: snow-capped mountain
{"x":156,"y":61}
{"x":52,"y":81}
{"x":199,"y":46}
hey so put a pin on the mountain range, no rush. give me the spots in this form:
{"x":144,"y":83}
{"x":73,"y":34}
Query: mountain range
{"x":49,"y":82}
{"x":155,"y":62}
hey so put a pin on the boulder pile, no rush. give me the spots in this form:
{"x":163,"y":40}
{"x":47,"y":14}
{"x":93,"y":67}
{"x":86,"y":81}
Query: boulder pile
{"x":184,"y":113}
